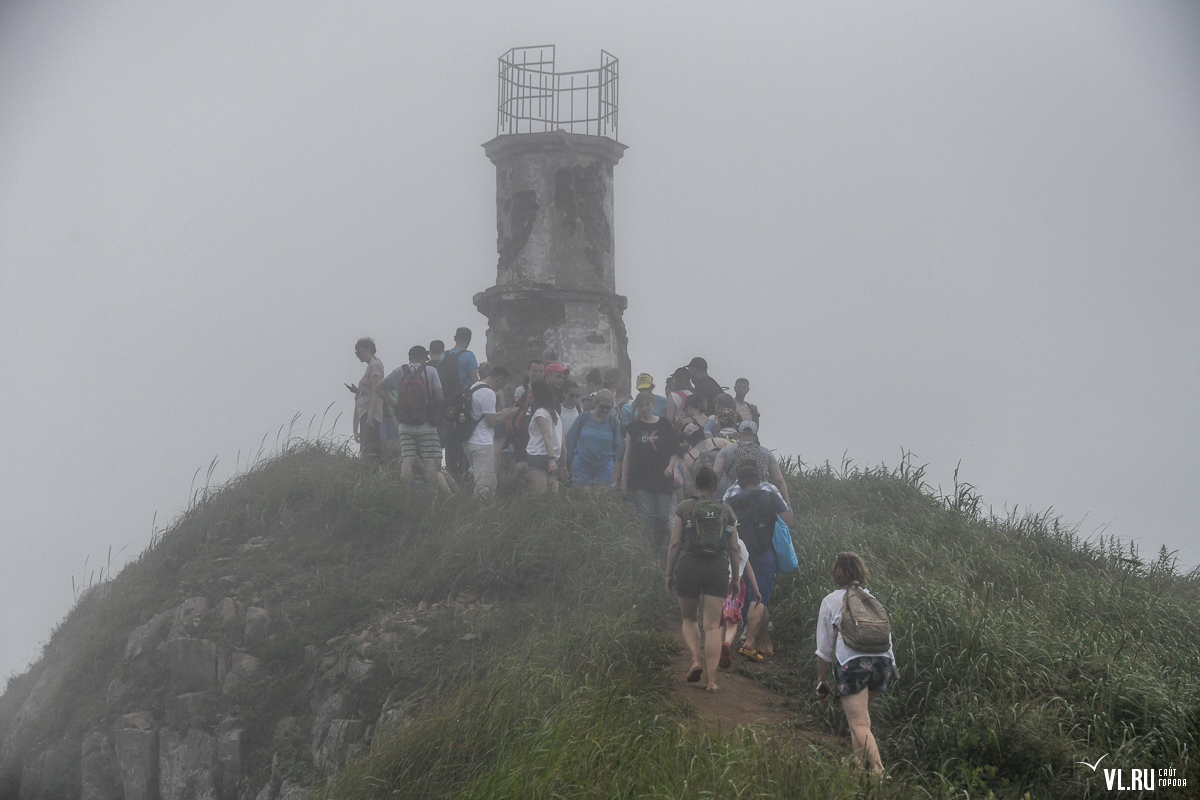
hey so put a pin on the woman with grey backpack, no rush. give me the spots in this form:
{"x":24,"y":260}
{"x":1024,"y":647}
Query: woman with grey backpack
{"x":854,"y":635}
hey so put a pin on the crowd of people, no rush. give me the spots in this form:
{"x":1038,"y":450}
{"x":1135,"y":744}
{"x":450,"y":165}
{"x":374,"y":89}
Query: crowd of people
{"x":708,"y":494}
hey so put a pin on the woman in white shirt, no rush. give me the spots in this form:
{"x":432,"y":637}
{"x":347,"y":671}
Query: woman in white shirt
{"x":853,"y":671}
{"x":545,"y":438}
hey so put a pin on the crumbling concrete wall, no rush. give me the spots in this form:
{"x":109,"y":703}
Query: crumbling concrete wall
{"x":555,"y":289}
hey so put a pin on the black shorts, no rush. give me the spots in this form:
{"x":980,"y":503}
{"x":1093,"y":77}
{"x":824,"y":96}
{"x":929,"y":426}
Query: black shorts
{"x":700,"y":573}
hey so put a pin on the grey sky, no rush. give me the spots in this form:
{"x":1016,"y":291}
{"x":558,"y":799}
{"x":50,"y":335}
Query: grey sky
{"x":966,"y":230}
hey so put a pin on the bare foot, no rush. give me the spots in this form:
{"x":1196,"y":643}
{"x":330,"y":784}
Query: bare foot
{"x":712,"y":687}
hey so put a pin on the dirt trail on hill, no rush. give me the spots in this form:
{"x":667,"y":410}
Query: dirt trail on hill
{"x":738,"y":701}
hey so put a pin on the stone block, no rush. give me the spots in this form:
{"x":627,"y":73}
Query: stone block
{"x":36,"y":771}
{"x":193,"y":663}
{"x":229,"y":613}
{"x":146,"y":637}
{"x":241,"y":666}
{"x":331,"y":753}
{"x":231,"y":740}
{"x":187,"y":765}
{"x":334,"y":707}
{"x":258,"y":625}
{"x":96,"y":772}
{"x":137,"y":760}
{"x":183,"y":710}
{"x":358,"y":671}
{"x":188,"y":616}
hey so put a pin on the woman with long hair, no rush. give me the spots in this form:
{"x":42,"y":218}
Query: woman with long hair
{"x":545,"y":438}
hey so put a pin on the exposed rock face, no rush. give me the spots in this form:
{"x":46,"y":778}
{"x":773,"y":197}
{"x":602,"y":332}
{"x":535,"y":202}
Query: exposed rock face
{"x":96,"y":769}
{"x":241,"y":666}
{"x":187,"y":765}
{"x":145,"y":638}
{"x":193,"y":663}
{"x":137,"y":756}
{"x":181,"y":710}
{"x":43,"y":691}
{"x":36,"y":772}
{"x":188,"y":617}
{"x":229,"y":612}
{"x":230,"y":749}
{"x":338,"y":744}
{"x":258,"y":625}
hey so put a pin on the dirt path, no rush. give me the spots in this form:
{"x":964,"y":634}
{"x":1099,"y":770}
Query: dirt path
{"x":738,"y":701}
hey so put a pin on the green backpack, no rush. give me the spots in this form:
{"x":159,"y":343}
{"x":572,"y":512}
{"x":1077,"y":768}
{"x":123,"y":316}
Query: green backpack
{"x":706,"y":527}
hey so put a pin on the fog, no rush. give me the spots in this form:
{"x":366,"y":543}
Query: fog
{"x":966,"y":231}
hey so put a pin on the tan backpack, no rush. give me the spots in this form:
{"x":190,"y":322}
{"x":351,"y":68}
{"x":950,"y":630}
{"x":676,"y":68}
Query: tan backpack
{"x":865,"y":626}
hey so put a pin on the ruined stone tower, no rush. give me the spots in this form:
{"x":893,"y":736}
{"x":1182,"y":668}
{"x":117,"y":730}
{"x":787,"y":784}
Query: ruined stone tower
{"x":555,"y":149}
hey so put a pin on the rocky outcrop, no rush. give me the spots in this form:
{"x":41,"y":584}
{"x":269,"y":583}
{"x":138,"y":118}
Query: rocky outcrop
{"x":148,"y":636}
{"x":137,"y":756}
{"x":192,"y":664}
{"x":258,"y":626}
{"x":36,"y":773}
{"x":44,"y":689}
{"x":96,"y":769}
{"x":187,"y":765}
{"x":241,"y":667}
{"x":187,"y":619}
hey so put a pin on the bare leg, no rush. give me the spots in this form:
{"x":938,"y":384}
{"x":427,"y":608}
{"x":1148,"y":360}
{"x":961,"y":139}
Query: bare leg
{"x":712,"y":638}
{"x":858,"y":715}
{"x":689,"y":610}
{"x":764,"y":631}
{"x":756,"y":622}
{"x":406,"y":466}
{"x":537,"y":480}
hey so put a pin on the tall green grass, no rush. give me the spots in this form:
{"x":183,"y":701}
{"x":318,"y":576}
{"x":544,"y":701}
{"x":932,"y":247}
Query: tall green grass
{"x":1022,"y":648}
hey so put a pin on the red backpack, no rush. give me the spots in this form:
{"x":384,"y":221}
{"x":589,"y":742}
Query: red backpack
{"x":414,"y":398}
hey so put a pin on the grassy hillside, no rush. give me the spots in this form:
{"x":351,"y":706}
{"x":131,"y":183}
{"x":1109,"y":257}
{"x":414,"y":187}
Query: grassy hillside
{"x":515,"y":649}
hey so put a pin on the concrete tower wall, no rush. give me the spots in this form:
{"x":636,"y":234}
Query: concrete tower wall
{"x":555,"y":291}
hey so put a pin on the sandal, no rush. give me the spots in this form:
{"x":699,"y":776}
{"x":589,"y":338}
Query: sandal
{"x":752,"y":655}
{"x":767,"y":651}
{"x":694,"y":675}
{"x":726,"y":657}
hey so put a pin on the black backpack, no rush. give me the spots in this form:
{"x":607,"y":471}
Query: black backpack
{"x":704,"y":531}
{"x":461,"y":424}
{"x":450,"y":377}
{"x":755,"y":510}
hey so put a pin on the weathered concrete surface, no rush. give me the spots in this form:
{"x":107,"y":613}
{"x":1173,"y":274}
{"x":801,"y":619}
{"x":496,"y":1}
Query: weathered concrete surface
{"x":556,"y":275}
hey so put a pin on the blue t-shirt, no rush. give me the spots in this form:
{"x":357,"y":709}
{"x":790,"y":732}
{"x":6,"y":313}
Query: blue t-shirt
{"x":466,"y":363}
{"x":594,"y":443}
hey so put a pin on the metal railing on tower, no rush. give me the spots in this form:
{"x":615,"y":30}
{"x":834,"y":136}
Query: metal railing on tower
{"x":533,"y":98}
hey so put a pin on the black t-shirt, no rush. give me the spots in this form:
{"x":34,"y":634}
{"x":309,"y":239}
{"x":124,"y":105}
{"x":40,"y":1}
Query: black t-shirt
{"x":707,"y":388}
{"x":650,"y":450}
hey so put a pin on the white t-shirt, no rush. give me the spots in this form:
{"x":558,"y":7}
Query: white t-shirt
{"x":827,"y":634}
{"x":483,"y":401}
{"x":537,"y":445}
{"x":568,"y":417}
{"x":742,"y":565}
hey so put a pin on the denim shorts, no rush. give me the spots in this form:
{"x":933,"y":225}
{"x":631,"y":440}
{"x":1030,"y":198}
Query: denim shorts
{"x":584,"y":474}
{"x":862,"y":672}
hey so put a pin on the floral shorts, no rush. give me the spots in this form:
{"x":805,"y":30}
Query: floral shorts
{"x":864,"y":672}
{"x":732,"y":610}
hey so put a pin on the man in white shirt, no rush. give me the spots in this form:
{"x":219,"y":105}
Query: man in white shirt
{"x":479,"y":448}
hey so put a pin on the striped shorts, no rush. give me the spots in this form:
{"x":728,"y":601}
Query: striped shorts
{"x":420,"y":441}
